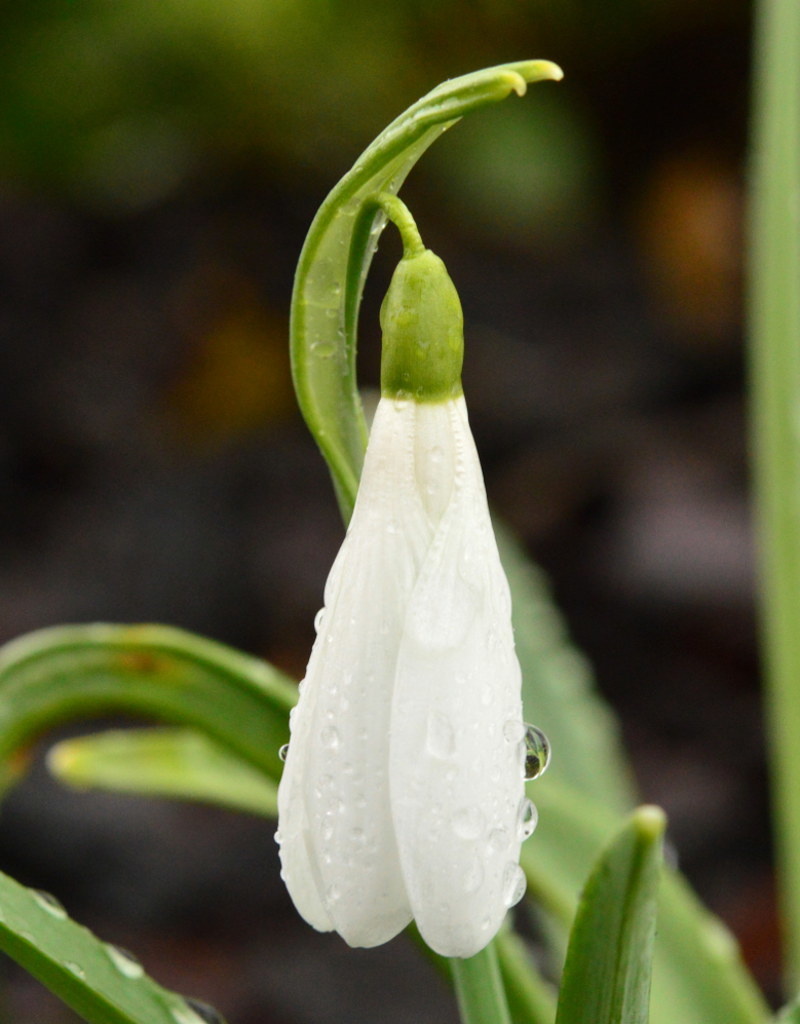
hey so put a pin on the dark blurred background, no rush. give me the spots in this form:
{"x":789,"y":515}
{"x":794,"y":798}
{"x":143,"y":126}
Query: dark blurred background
{"x":160,"y":163}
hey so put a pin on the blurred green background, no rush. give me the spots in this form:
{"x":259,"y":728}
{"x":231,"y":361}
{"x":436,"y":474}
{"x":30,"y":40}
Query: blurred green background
{"x":160,"y":162}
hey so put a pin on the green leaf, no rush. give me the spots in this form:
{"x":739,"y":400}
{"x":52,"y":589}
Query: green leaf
{"x":69,"y":672}
{"x":774,"y":299}
{"x":698,"y":975}
{"x":558,"y":694}
{"x":607,"y":972}
{"x":103,"y":984}
{"x":176,"y":763}
{"x":339,"y":248}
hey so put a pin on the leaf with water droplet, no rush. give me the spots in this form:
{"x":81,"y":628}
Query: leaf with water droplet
{"x":125,"y":962}
{"x":103,"y":985}
{"x":49,"y":903}
{"x":207,"y":1014}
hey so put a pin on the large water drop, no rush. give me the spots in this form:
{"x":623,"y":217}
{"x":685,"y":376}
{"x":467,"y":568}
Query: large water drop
{"x":537,"y":752}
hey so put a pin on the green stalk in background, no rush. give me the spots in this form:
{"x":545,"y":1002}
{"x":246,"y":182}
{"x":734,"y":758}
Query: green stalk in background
{"x":775,"y":358}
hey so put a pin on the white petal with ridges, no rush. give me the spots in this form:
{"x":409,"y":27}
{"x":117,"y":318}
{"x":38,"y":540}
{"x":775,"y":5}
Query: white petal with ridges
{"x":342,"y":837}
{"x":455,"y":767}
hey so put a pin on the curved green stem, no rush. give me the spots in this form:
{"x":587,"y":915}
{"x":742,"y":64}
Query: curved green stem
{"x":400,"y":215}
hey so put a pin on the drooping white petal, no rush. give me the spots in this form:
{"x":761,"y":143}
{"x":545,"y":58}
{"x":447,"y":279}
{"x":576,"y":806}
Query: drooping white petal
{"x":338,"y":848}
{"x":455,"y":759}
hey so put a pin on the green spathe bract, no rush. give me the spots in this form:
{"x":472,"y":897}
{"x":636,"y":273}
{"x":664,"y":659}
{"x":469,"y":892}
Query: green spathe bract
{"x":423,"y":332}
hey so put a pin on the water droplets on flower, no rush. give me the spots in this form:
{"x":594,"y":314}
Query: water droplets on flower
{"x":537,"y":752}
{"x":75,"y":969}
{"x":441,"y":738}
{"x":329,"y":737}
{"x":514,"y":884}
{"x":468,"y":822}
{"x":283,"y":752}
{"x":527,"y":819}
{"x":514,"y":730}
{"x":318,"y":619}
{"x":498,"y":839}
{"x":473,"y":879}
{"x":401,"y":400}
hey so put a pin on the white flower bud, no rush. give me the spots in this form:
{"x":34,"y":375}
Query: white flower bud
{"x":403,"y":793}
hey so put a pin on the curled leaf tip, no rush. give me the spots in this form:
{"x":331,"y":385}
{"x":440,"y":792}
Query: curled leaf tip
{"x":537,"y":71}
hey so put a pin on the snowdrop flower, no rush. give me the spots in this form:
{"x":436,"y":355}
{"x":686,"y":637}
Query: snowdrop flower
{"x":403,"y":792}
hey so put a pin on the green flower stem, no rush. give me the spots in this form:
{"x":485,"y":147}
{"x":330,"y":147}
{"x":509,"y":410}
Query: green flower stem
{"x":774,"y":279}
{"x":531,"y":1000}
{"x":479,"y":988}
{"x":400,"y":215}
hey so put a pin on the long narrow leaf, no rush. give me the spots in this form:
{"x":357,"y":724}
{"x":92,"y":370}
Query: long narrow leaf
{"x":70,"y":672}
{"x":775,"y":359}
{"x":103,"y":984}
{"x":698,"y":976}
{"x":175,"y":763}
{"x":608,"y":968}
{"x":339,"y":248}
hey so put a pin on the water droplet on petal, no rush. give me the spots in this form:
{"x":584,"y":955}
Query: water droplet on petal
{"x":334,"y":894}
{"x":49,"y":903}
{"x":283,"y":752}
{"x":537,"y":752}
{"x":498,"y":839}
{"x":473,"y":879}
{"x":441,"y":740}
{"x":75,"y":969}
{"x":514,"y":884}
{"x":514,"y":730}
{"x":329,"y":737}
{"x":125,"y":962}
{"x":468,"y":823}
{"x":527,"y":819}
{"x":318,"y":620}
